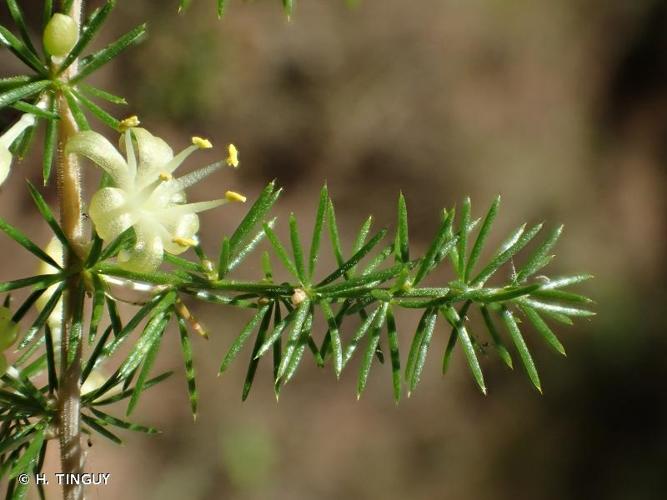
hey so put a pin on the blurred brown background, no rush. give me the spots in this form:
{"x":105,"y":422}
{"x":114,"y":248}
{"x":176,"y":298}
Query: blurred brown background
{"x":559,"y":106}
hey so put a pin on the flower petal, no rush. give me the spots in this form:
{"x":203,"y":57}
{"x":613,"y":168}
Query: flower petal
{"x":13,"y":133}
{"x":5,"y":163}
{"x":146,"y":255}
{"x":109,"y":212}
{"x":183,"y":227}
{"x":7,"y":139}
{"x":100,"y":151}
{"x":154,"y":154}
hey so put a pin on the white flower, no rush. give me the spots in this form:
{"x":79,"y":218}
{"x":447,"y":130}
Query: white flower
{"x":145,"y":195}
{"x":7,"y":139}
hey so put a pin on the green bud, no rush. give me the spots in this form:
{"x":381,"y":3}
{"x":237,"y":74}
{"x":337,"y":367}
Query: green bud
{"x":9,"y":330}
{"x":60,"y":35}
{"x":3,"y":365}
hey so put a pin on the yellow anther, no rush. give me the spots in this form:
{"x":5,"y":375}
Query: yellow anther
{"x":129,"y":122}
{"x":234,"y":196}
{"x":233,"y":156}
{"x":165,"y":176}
{"x":202,"y":143}
{"x":184,"y":242}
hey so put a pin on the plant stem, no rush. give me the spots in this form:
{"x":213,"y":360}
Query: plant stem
{"x":69,"y":197}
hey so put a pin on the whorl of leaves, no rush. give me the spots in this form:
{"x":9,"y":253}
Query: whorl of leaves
{"x":371,"y":283}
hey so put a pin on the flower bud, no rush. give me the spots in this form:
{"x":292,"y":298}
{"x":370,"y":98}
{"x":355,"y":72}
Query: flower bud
{"x":8,"y":329}
{"x":60,"y":35}
{"x":3,"y":365}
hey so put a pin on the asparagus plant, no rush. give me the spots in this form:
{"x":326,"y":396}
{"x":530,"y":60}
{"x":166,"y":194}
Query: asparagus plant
{"x":138,"y":231}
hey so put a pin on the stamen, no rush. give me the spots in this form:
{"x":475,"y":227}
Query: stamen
{"x":192,"y":178}
{"x":129,"y":122}
{"x":201,"y":143}
{"x":184,"y":242}
{"x":233,"y":156}
{"x":165,"y":176}
{"x":129,"y":152}
{"x":193,"y":208}
{"x":234,"y":196}
{"x":179,"y":158}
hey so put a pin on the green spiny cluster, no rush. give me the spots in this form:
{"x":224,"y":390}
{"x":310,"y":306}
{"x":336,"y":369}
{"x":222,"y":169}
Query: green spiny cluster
{"x":372,"y":284}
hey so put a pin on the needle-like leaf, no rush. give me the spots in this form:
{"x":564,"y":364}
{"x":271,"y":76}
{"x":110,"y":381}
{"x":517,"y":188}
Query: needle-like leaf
{"x":543,"y":329}
{"x":369,"y":354}
{"x":392,"y":337}
{"x":22,"y":92}
{"x":466,"y":343}
{"x":243,"y":337}
{"x":297,"y":250}
{"x":336,"y":346}
{"x":419,"y":348}
{"x":481,"y":238}
{"x":20,"y":50}
{"x":50,"y":144}
{"x":498,"y":343}
{"x":280,"y":251}
{"x":19,"y":237}
{"x":95,"y":61}
{"x":441,"y":241}
{"x":402,"y":241}
{"x":317,"y":231}
{"x":505,"y":254}
{"x":143,"y":377}
{"x":521,"y":346}
{"x":254,"y":360}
